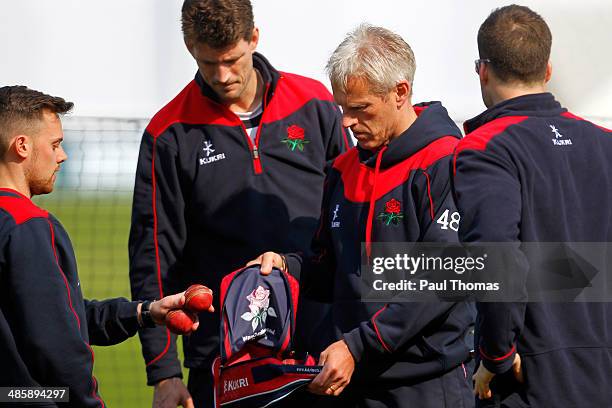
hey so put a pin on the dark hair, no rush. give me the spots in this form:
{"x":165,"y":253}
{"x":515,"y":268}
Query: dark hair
{"x":517,"y":40}
{"x":21,"y":110}
{"x":217,"y":23}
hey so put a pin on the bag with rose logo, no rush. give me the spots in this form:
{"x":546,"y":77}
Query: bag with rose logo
{"x":257,"y":366}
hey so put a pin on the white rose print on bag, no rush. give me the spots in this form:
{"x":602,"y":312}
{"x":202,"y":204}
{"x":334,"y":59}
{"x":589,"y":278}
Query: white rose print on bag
{"x":259,"y":307}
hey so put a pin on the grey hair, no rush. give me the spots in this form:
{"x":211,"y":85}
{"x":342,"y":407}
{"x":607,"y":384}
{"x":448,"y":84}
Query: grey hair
{"x":374,"y":53}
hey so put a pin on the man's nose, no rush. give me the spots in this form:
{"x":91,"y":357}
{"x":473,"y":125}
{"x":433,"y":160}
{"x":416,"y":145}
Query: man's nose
{"x":348,"y":120}
{"x":222,"y":73}
{"x":62,"y":156}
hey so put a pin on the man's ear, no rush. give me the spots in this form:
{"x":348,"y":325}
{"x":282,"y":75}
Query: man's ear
{"x":254,"y":39}
{"x":403,"y":92}
{"x":483,"y":74}
{"x":548,"y":72}
{"x":22,"y":146}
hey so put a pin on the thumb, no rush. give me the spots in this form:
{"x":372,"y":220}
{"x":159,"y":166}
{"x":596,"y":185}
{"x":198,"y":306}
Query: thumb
{"x":180,"y":301}
{"x":175,"y":301}
{"x":517,"y":369}
{"x":322,"y":358}
{"x":186,"y":400}
{"x":268,"y":261}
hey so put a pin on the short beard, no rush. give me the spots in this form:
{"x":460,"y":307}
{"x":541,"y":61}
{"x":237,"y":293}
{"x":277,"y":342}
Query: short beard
{"x":37,"y":185}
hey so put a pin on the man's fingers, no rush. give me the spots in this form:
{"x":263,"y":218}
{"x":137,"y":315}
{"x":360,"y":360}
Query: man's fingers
{"x":518,"y":373}
{"x":336,"y":385}
{"x":517,"y":369}
{"x":186,"y":400}
{"x":482,"y":391}
{"x":340,"y":388}
{"x":268,"y":262}
{"x":322,"y":359}
{"x":211,"y":309}
{"x":316,"y":386}
{"x":196,"y":324}
{"x":170,"y":302}
{"x":319,"y":380}
{"x":314,"y":389}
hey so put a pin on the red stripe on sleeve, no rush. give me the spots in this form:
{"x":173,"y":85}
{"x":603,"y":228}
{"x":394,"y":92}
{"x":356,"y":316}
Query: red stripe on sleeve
{"x":156,"y":245}
{"x":505,"y":356}
{"x":377,"y":331}
{"x":431,"y":204}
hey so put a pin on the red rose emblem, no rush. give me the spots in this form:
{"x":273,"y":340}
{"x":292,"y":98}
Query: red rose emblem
{"x":294,"y":132}
{"x":393,"y":206}
{"x":392,"y":215}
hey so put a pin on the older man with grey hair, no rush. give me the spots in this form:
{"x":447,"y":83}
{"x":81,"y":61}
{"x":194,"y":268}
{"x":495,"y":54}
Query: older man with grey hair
{"x":393,"y":187}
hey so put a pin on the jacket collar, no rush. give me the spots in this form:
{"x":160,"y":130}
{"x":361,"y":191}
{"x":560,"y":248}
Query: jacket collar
{"x":542,"y":104}
{"x":269,"y":74}
{"x":432,"y":123}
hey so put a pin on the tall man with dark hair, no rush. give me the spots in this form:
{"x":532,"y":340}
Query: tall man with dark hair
{"x":232,"y":166}
{"x":530,"y":171}
{"x":46,"y":327}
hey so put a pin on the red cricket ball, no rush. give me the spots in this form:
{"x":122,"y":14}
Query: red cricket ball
{"x":198,"y":298}
{"x":180,"y":322}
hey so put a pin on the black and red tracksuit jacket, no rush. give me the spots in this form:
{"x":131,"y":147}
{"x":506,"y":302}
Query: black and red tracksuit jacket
{"x":207,"y":199}
{"x":46,"y":327}
{"x":410,"y":178}
{"x":530,"y":171}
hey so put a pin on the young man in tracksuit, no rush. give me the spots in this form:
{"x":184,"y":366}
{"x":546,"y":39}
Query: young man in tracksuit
{"x":46,"y":327}
{"x":393,"y":187}
{"x":232,"y":166}
{"x":530,"y":171}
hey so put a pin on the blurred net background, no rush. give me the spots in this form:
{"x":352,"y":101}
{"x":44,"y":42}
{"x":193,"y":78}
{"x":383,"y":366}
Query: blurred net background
{"x":92,"y":199}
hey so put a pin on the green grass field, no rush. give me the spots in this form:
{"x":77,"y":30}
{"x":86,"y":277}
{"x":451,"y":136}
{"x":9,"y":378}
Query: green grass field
{"x":98,"y":227}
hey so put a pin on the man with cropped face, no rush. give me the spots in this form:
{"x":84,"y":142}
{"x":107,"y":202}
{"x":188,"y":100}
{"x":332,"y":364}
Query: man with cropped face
{"x":529,"y":171}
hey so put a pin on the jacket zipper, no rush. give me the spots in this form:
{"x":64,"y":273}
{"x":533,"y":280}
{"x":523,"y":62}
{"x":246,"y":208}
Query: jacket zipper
{"x":254,"y":147}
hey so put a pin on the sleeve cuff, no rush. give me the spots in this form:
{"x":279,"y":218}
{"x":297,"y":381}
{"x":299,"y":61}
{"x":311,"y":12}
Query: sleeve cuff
{"x":155,"y":375}
{"x":498,"y":365}
{"x":294,"y":265}
{"x":355,"y":343}
{"x":128,"y":316}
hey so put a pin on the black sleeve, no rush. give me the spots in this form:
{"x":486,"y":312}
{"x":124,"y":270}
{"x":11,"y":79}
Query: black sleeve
{"x":488,"y":196}
{"x":157,"y":237}
{"x":111,"y":321}
{"x":315,"y":269}
{"x":436,"y":210}
{"x":47,"y":328}
{"x":393,"y":326}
